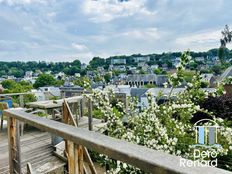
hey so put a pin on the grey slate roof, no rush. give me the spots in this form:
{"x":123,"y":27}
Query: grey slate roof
{"x":227,"y":73}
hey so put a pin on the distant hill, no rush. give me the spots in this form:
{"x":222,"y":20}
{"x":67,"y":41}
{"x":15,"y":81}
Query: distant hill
{"x":18,"y":68}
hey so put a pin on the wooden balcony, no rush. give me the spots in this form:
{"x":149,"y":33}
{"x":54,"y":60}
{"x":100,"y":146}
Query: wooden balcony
{"x":146,"y":159}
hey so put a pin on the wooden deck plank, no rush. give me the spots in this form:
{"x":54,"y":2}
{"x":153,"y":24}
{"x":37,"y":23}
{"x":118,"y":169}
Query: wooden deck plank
{"x":35,"y":147}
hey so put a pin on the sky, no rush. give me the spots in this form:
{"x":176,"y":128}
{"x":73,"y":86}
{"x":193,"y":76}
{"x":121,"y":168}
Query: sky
{"x":65,"y":30}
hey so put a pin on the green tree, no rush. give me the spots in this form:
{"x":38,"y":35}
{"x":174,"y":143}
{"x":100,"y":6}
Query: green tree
{"x":107,"y":77}
{"x":221,"y":54}
{"x":217,"y":69}
{"x":45,"y":80}
{"x":158,"y":71}
{"x":83,"y":81}
{"x":226,"y":38}
{"x":96,"y":62}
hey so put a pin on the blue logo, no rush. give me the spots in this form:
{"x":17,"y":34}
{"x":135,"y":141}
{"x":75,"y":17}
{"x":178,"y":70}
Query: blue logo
{"x":206,"y":134}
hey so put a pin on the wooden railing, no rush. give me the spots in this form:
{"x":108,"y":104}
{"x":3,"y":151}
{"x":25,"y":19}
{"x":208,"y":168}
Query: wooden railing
{"x":21,"y":96}
{"x":144,"y":158}
{"x":73,"y":151}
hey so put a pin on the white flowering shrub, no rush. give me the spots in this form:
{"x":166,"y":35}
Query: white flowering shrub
{"x":166,"y":127}
{"x":228,"y":80}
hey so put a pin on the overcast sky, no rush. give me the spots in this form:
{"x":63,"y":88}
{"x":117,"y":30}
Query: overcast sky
{"x":62,"y":30}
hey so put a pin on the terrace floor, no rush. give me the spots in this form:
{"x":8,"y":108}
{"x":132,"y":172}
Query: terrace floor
{"x":36,"y":148}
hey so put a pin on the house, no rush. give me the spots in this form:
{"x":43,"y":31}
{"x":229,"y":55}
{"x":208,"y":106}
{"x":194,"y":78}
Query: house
{"x":1,"y":89}
{"x":28,"y":74}
{"x":119,"y":67}
{"x":83,"y":66}
{"x":141,"y":64}
{"x":200,"y":59}
{"x":90,"y":74}
{"x":161,"y":79}
{"x":210,"y":78}
{"x":69,"y":91}
{"x":10,"y":77}
{"x":165,"y":67}
{"x":144,"y":79}
{"x":60,"y":75}
{"x":37,"y":73}
{"x":46,"y":93}
{"x":2,"y":79}
{"x":133,"y":69}
{"x":50,"y":91}
{"x":227,"y":73}
{"x":153,"y":67}
{"x":145,"y":67}
{"x":140,"y":79}
{"x":101,"y":70}
{"x":48,"y":72}
{"x":29,"y":79}
{"x":138,"y":93}
{"x":117,"y":61}
{"x":176,"y":61}
{"x":155,"y":92}
{"x":141,"y":59}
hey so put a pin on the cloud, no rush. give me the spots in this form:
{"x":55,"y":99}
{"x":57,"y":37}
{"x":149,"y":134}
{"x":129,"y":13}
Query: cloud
{"x":22,"y":2}
{"x":200,"y":38}
{"x":79,"y":47}
{"x":107,"y":10}
{"x":143,"y":33}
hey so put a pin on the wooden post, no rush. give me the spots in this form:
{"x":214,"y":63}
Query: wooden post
{"x":82,"y":107}
{"x":76,"y":158}
{"x":21,"y":104}
{"x":14,"y":146}
{"x":69,"y":146}
{"x":62,"y":94}
{"x":75,"y":107}
{"x":80,"y":159}
{"x":75,"y":153}
{"x":21,"y":100}
{"x":90,"y":115}
{"x":79,"y":108}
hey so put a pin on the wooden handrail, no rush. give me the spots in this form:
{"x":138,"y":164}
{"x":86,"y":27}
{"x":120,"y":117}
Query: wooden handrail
{"x":144,"y":158}
{"x":23,"y":93}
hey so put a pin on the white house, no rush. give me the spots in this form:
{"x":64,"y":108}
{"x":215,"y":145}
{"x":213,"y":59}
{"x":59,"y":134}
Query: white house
{"x":141,"y":59}
{"x":28,"y":74}
{"x":200,"y":59}
{"x":118,"y":61}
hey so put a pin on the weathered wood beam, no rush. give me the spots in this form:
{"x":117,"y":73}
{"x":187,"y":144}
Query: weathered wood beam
{"x":89,"y":161}
{"x":80,"y":159}
{"x":69,"y":145}
{"x":90,"y":115}
{"x":68,"y":113}
{"x":78,"y":149}
{"x":82,"y":107}
{"x":14,"y":145}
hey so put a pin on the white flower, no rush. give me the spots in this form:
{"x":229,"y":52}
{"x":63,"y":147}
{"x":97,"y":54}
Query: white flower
{"x":178,"y":152}
{"x":165,"y":85}
{"x":124,"y":165}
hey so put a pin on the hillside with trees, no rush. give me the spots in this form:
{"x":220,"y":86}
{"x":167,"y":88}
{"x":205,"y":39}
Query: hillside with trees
{"x":18,"y":68}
